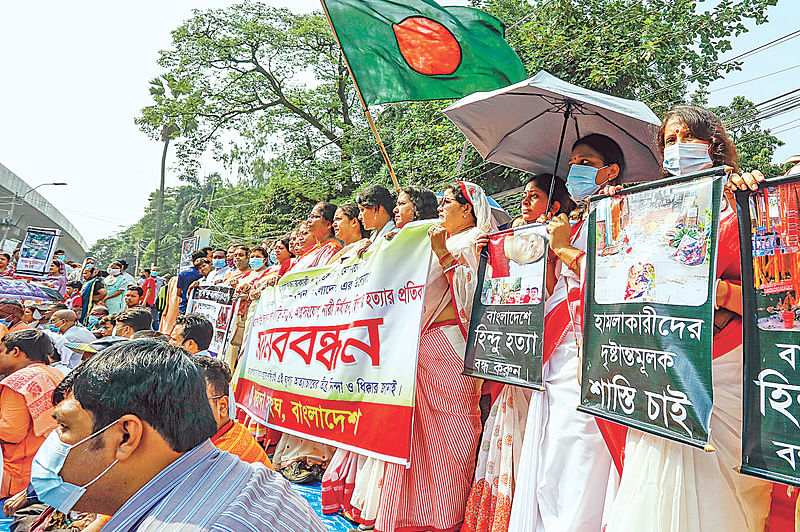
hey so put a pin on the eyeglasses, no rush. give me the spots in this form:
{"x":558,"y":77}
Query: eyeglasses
{"x":446,"y":200}
{"x":214,"y":398}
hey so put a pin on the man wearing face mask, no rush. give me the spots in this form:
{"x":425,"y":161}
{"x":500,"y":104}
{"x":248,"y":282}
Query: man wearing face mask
{"x":62,"y":329}
{"x":25,"y":411}
{"x":119,"y":452}
{"x":220,"y":267}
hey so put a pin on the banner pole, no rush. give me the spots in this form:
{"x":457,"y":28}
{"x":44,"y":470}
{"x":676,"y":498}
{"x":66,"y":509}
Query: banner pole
{"x":363,"y":103}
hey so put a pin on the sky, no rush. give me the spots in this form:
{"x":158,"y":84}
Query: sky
{"x":76,"y":75}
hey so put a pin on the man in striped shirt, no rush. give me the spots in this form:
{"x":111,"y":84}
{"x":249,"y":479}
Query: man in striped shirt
{"x":139,"y":422}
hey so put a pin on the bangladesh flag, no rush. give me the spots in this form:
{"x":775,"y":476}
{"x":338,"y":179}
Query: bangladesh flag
{"x":418,"y":50}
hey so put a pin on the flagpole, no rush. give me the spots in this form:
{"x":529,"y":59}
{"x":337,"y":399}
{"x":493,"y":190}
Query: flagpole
{"x":363,"y":103}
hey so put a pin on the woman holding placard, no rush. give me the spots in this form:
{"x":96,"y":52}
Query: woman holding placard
{"x":565,"y":465}
{"x":671,"y":486}
{"x":432,"y":493}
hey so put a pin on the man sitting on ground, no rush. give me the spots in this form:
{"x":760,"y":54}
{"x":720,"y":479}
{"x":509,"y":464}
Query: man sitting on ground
{"x":26,"y":414}
{"x":231,"y":435}
{"x":64,"y":329}
{"x":192,"y":332}
{"x":154,"y":467}
{"x":131,"y":320}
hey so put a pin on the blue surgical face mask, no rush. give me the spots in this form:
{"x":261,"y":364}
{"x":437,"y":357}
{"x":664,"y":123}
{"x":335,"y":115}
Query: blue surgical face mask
{"x":54,"y":328}
{"x":60,"y":257}
{"x":273,"y":257}
{"x":46,"y":468}
{"x":256,"y":262}
{"x":581,"y":181}
{"x":219,"y":263}
{"x":94,"y":320}
{"x":154,"y":273}
{"x":686,"y":158}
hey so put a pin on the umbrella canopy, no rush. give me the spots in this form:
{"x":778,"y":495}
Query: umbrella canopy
{"x":524,"y":126}
{"x":16,"y":289}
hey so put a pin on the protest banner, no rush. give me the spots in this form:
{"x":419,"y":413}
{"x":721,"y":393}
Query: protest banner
{"x":649,"y":306}
{"x":188,"y":246}
{"x":770,"y":248}
{"x":36,"y":253}
{"x":332,"y":352}
{"x":8,"y":245}
{"x":506,"y":328}
{"x":215,"y":302}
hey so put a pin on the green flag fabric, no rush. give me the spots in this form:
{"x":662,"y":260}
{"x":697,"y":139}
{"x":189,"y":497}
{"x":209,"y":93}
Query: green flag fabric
{"x":417,"y":50}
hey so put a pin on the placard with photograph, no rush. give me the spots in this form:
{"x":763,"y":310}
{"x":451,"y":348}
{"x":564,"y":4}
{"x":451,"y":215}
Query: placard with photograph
{"x":770,"y":251}
{"x":506,"y":328}
{"x":36,"y":253}
{"x":188,"y":246}
{"x":648,"y":313}
{"x":215,"y":302}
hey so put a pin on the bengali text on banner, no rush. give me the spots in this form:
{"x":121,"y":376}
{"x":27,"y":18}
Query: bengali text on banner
{"x":332,"y":352}
{"x":648,"y":314}
{"x":770,"y":249}
{"x":506,"y":329}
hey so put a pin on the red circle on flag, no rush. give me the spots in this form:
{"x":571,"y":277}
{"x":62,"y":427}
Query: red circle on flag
{"x":428,"y":47}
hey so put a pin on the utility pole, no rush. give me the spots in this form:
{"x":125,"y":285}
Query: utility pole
{"x":166,"y":135}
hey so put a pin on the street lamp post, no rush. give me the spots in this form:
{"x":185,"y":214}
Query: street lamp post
{"x":10,"y":221}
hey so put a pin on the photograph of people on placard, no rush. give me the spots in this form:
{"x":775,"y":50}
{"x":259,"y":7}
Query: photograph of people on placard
{"x":515,"y":271}
{"x":653,"y":246}
{"x":36,"y":246}
{"x":776,"y":245}
{"x":222,"y":318}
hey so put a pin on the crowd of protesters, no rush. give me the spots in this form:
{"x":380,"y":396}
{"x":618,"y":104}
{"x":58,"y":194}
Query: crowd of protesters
{"x":122,"y":357}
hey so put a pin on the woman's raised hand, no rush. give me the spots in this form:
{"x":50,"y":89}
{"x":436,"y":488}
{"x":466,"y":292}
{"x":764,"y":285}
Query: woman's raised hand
{"x":744,"y":181}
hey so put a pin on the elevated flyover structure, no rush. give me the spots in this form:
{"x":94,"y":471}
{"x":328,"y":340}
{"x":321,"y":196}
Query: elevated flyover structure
{"x":24,"y":207}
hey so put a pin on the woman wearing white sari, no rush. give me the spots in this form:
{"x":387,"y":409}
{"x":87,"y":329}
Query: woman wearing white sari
{"x":566,"y":468}
{"x":490,"y":500}
{"x":665,"y":485}
{"x":432,"y":493}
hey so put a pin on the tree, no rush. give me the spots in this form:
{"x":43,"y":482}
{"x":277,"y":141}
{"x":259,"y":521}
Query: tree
{"x":648,"y":50}
{"x":269,"y":80}
{"x":755,"y":146}
{"x":271,"y":98}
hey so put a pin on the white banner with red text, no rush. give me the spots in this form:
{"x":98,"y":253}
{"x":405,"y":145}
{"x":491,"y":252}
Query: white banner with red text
{"x":332,"y":352}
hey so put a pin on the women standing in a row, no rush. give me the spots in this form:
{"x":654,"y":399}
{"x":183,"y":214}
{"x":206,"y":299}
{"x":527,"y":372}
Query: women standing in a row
{"x":352,"y":482}
{"x":432,"y":493}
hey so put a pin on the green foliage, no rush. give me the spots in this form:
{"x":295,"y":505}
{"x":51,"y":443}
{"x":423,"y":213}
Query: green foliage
{"x":267,"y":93}
{"x":755,"y":146}
{"x":641,"y":49}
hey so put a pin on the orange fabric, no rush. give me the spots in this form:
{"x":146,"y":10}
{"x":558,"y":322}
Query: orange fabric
{"x":21,"y":432}
{"x":36,"y":384}
{"x":19,"y":326}
{"x":234,"y":438}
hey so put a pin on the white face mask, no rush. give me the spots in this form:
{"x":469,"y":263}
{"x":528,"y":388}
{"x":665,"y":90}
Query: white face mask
{"x":114,"y":271}
{"x":46,"y":472}
{"x":686,"y":158}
